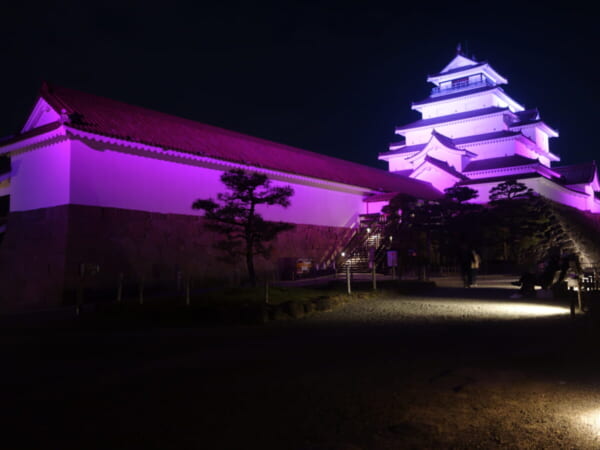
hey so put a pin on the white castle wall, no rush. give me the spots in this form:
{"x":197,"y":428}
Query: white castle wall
{"x":399,"y":163}
{"x":470,"y":127}
{"x":41,"y":178}
{"x":72,"y":172}
{"x":468,"y":103}
{"x":541,"y":139}
{"x":439,"y":179}
{"x":547,"y":189}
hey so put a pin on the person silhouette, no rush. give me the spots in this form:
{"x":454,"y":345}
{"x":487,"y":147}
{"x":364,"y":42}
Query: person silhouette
{"x":475,"y":262}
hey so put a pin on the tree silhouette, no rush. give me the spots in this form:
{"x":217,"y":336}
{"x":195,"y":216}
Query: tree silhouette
{"x":511,"y":190}
{"x":234,"y":215}
{"x":459,"y":194}
{"x":516,"y":220}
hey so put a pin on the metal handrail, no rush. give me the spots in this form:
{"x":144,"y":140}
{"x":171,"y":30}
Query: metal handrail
{"x":462,"y":86}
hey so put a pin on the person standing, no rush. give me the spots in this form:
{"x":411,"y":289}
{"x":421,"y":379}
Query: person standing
{"x":474,"y":269}
{"x":465,"y":265}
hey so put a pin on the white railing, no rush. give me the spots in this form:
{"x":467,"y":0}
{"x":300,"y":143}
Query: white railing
{"x":460,"y":86}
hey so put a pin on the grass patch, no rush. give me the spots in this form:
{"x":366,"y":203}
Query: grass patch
{"x":229,"y":306}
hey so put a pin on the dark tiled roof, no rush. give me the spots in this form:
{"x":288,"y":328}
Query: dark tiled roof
{"x":31,"y":133}
{"x":457,"y":141}
{"x":453,"y":117}
{"x":499,"y":163}
{"x":485,"y":137}
{"x":455,"y":95}
{"x":405,"y":172}
{"x":111,"y":118}
{"x":500,"y":179}
{"x":448,"y":142}
{"x":458,"y":69}
{"x":381,"y":197}
{"x":523,"y":123}
{"x":528,"y":115}
{"x":577,"y":173}
{"x":407,"y":149}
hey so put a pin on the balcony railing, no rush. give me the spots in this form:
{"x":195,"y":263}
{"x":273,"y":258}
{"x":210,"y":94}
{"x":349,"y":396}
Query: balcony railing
{"x":460,"y":86}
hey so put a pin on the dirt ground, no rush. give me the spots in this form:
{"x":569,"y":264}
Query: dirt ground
{"x":451,"y":368}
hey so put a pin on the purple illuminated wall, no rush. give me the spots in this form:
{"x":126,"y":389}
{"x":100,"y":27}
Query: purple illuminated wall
{"x":72,"y":172}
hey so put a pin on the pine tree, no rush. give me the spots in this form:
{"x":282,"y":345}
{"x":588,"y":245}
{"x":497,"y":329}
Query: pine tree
{"x":234,"y":215}
{"x":511,"y":190}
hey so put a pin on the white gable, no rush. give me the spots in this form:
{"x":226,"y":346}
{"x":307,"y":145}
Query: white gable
{"x":458,"y":61}
{"x":438,"y":177}
{"x":456,"y":158}
{"x":42,"y":114}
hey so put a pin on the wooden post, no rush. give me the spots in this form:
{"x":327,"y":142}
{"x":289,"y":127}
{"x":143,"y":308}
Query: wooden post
{"x":120,"y":288}
{"x":187,"y":291}
{"x":267,"y":291}
{"x":579,"y":287}
{"x":348,"y":279}
{"x":141,"y":291}
{"x":79,"y":297}
{"x":80,"y":288}
{"x":374,"y":277}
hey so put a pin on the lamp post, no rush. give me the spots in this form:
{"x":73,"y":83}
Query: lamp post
{"x":348,"y":262}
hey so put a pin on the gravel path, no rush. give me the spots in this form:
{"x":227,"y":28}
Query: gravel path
{"x":491,"y":301}
{"x":453,"y":368}
{"x":415,"y":309}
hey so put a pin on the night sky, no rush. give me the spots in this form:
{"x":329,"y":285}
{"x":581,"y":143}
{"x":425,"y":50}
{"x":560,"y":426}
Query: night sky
{"x":334,"y":78}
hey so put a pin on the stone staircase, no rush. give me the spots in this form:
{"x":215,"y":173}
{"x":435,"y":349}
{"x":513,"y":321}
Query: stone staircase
{"x":369,"y":243}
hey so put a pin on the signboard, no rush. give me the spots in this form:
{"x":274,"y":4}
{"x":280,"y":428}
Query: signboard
{"x":303,"y":265}
{"x":392,"y":258}
{"x":89,"y":269}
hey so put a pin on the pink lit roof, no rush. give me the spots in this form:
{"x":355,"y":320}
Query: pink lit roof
{"x":453,"y":117}
{"x":499,"y":163}
{"x":381,"y":197}
{"x":459,"y":69}
{"x":452,"y":143}
{"x":103,"y":116}
{"x":578,"y":173}
{"x":500,"y":178}
{"x":455,"y":95}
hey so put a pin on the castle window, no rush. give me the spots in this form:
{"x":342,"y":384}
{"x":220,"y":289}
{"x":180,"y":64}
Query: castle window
{"x":460,"y":82}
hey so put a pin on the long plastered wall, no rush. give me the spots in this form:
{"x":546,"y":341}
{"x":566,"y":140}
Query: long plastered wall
{"x":72,"y":172}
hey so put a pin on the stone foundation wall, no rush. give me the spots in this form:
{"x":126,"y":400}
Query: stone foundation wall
{"x":43,"y":251}
{"x":32,"y":259}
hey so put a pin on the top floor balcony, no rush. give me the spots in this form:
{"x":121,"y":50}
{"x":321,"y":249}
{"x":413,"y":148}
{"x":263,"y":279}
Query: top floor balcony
{"x":463,"y":84}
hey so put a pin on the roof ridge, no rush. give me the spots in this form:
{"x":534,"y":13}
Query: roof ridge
{"x":459,"y":69}
{"x":191,"y":122}
{"x":454,"y":116}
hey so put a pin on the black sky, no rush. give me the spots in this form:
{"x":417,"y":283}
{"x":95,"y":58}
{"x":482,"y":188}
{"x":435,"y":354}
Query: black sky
{"x":329,"y":77}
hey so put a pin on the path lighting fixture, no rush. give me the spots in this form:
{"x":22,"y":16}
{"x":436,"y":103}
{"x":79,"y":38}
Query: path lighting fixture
{"x":343,"y":254}
{"x":368,"y":230}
